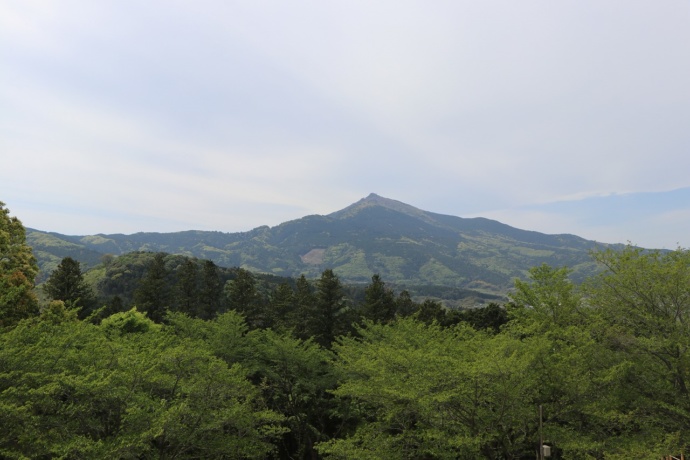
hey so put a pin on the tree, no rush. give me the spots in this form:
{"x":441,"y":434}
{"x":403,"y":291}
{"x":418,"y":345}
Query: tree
{"x":153,"y":293}
{"x":67,"y":283}
{"x":404,"y":305}
{"x":296,"y":379}
{"x":490,"y":317}
{"x":300,"y":319}
{"x":18,"y":270}
{"x":280,"y":305}
{"x":327,"y":321}
{"x":550,"y":294}
{"x":188,"y":287}
{"x":379,"y":301}
{"x":432,"y":392}
{"x":241,"y":295}
{"x":431,"y":311}
{"x":124,"y":389}
{"x":211,"y":291}
{"x":643,"y":298}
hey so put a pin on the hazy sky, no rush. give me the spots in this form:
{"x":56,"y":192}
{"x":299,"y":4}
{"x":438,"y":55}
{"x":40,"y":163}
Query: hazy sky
{"x":569,"y":116}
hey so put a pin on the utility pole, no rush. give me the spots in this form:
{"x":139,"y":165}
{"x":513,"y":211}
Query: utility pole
{"x":541,"y":433}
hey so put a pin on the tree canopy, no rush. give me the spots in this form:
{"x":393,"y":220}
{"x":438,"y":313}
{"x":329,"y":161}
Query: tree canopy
{"x":225,"y":363}
{"x":18,"y":270}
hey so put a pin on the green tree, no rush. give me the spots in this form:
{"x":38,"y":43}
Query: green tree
{"x":404,"y":305}
{"x":491,"y":317}
{"x":329,"y":318}
{"x":431,"y":311}
{"x":124,"y":389}
{"x":295,"y":377}
{"x":432,"y":392}
{"x":300,"y":319}
{"x":280,"y":306}
{"x":550,"y":294}
{"x":153,"y":292}
{"x":211,"y":291}
{"x":241,"y":294}
{"x":18,"y":270}
{"x":643,"y":298}
{"x":379,"y":301}
{"x":188,"y":291}
{"x":67,"y":283}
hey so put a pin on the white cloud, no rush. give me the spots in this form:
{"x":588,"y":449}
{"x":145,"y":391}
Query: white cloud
{"x":246,"y":113}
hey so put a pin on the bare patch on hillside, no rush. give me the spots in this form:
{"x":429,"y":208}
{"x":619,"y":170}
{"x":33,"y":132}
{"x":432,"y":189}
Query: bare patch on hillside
{"x":313,"y":257}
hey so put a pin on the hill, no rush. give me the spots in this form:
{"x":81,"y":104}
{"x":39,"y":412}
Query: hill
{"x":405,"y":245}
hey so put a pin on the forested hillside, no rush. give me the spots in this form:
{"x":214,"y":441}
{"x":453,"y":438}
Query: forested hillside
{"x":197,"y":361}
{"x":408,"y":247}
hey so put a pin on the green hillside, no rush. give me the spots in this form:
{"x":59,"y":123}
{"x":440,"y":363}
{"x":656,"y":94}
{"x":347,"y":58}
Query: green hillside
{"x":407,"y":246}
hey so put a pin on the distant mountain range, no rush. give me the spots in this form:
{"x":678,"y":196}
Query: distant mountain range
{"x":405,"y":245}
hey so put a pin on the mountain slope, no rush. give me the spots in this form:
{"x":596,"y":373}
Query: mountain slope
{"x":405,"y":245}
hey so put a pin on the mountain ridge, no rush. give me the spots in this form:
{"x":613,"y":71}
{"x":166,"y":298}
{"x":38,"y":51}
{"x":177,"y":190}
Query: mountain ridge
{"x":404,"y":244}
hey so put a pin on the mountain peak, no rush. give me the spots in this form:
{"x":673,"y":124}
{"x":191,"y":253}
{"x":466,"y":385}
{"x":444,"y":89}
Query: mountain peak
{"x":373,"y":200}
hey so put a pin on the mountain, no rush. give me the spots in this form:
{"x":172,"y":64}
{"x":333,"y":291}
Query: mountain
{"x":405,"y":245}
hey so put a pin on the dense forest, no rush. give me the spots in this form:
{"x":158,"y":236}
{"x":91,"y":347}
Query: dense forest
{"x":152,"y":355}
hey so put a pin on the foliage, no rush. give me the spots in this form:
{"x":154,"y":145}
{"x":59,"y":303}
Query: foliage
{"x":153,"y":295}
{"x":406,"y":246}
{"x":329,"y":309}
{"x":379,"y":304}
{"x":295,"y":377}
{"x":428,"y":392}
{"x":242,"y":295}
{"x":292,"y":370}
{"x":67,"y":283}
{"x":70,"y":389}
{"x":550,"y":293}
{"x":643,"y":299}
{"x":18,"y":269}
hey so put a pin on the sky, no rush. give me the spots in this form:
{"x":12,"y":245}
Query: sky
{"x":570,"y":116}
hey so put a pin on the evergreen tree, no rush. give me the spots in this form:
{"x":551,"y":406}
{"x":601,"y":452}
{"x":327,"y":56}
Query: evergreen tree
{"x":67,"y":283}
{"x":153,"y":293}
{"x":188,"y":287}
{"x":282,"y":302}
{"x":379,"y":303}
{"x":211,"y":291}
{"x":241,"y":295}
{"x":18,"y":270}
{"x":330,"y":307}
{"x":404,"y":305}
{"x":300,"y":318}
{"x":490,"y":317}
{"x":431,"y":311}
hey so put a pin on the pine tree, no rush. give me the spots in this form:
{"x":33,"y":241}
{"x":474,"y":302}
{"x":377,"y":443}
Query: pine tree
{"x":379,"y":303}
{"x":241,"y":295}
{"x":281,"y":304}
{"x":67,"y":283}
{"x":188,"y":287}
{"x":211,"y":291}
{"x":153,"y":293}
{"x":330,"y":306}
{"x":300,"y":318}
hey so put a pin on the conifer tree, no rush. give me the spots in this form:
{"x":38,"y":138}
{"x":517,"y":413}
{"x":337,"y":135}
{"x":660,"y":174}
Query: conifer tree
{"x":153,"y":294}
{"x":188,"y":287}
{"x":282,"y":302}
{"x":241,"y":295}
{"x":330,"y":306}
{"x":67,"y":283}
{"x":379,"y":304}
{"x":300,"y":319}
{"x":210,"y":292}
